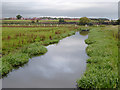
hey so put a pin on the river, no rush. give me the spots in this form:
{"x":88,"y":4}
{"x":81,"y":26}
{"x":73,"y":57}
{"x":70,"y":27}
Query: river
{"x":60,"y":67}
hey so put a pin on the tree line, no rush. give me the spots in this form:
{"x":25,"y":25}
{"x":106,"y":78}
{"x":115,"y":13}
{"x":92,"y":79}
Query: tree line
{"x":84,"y":21}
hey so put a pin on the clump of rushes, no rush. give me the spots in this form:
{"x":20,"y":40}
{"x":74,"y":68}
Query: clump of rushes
{"x":50,"y":37}
{"x":47,"y":42}
{"x":102,"y":70}
{"x":17,"y":59}
{"x":42,"y":37}
{"x":34,"y":49}
{"x":10,"y":61}
{"x":57,"y":32}
{"x":8,"y":38}
{"x":5,"y":68}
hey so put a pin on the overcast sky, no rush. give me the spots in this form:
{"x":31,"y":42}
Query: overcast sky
{"x":67,"y":8}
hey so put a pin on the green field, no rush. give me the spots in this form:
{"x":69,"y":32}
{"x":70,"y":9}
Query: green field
{"x":16,"y":37}
{"x":21,"y":43}
{"x":24,"y":21}
{"x":28,"y":21}
{"x":4,"y":21}
{"x":102,"y":66}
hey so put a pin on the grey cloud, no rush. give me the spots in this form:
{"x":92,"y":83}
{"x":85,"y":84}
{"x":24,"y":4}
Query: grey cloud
{"x":32,"y":9}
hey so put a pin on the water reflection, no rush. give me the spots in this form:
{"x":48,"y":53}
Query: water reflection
{"x":60,"y":67}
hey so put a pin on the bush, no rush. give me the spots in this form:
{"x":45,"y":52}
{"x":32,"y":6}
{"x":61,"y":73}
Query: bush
{"x":61,"y":20}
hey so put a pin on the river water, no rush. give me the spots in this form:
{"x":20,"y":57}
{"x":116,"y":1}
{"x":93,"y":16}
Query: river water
{"x":60,"y":67}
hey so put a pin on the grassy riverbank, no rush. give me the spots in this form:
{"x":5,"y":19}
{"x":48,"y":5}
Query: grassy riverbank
{"x":20,"y":43}
{"x":102,"y":66}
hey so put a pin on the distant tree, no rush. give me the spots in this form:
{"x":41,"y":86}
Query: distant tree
{"x":61,"y":20}
{"x":115,"y":22}
{"x":33,"y":21}
{"x":55,"y":18}
{"x":19,"y":16}
{"x":112,"y":21}
{"x":37,"y":21}
{"x":100,"y":21}
{"x":84,"y":20}
{"x":118,"y":21}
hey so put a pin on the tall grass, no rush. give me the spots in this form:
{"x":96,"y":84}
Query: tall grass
{"x":15,"y":38}
{"x":34,"y":49}
{"x":102,"y":69}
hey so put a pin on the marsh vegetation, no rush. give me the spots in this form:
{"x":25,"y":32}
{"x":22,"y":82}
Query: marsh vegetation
{"x":23,"y":41}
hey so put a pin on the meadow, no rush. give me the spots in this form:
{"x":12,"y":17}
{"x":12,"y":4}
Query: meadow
{"x":25,"y":21}
{"x":102,"y":66}
{"x":35,"y":21}
{"x":21,"y":43}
